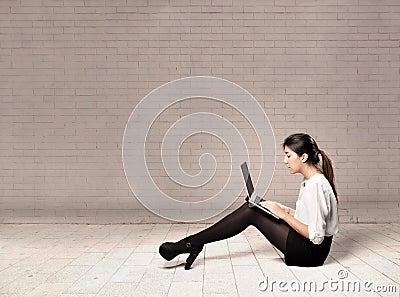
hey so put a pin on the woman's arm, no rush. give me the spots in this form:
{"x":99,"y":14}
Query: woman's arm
{"x":288,"y":209}
{"x":287,"y":216}
{"x":297,"y":225}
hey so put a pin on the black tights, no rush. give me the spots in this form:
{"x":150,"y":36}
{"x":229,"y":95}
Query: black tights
{"x":276,"y":231}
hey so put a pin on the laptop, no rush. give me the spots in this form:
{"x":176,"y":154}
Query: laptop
{"x":253,"y":200}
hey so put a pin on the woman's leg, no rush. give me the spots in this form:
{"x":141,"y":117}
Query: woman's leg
{"x":276,"y":231}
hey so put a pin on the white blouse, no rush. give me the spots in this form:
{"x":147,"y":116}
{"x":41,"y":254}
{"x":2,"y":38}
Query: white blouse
{"x":317,"y":207}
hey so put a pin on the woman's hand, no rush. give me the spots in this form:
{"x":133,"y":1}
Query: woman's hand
{"x":277,"y":208}
{"x":283,"y":212}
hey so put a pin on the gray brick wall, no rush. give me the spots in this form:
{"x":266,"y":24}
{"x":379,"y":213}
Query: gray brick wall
{"x":71,"y":73}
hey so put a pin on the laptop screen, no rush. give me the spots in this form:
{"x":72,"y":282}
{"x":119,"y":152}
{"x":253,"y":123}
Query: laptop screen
{"x":247,"y":179}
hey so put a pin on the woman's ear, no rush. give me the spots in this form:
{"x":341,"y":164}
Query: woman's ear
{"x":304,"y":158}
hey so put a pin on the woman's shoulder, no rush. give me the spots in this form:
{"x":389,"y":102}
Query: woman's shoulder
{"x":318,"y":177}
{"x":321,"y":180}
{"x":315,"y":179}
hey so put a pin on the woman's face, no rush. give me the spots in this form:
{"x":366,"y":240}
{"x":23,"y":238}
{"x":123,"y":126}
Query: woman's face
{"x":292,"y":161}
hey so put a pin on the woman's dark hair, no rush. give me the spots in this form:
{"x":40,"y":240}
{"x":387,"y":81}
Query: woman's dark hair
{"x":302,"y":143}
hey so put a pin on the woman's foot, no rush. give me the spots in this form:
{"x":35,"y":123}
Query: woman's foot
{"x":170,"y":250}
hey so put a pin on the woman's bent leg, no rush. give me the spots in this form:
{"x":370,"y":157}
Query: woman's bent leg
{"x":276,"y":231}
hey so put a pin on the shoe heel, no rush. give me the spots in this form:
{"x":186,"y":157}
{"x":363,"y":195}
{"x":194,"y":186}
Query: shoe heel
{"x":189,"y":261}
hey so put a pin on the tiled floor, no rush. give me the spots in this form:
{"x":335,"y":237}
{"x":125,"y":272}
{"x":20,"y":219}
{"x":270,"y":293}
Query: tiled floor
{"x":122,"y":260}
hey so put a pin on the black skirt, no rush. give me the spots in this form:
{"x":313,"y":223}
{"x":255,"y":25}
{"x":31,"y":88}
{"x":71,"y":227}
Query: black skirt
{"x":300,"y":251}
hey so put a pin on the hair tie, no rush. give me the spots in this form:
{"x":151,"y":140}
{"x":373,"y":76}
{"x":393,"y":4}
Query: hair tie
{"x":319,"y":156}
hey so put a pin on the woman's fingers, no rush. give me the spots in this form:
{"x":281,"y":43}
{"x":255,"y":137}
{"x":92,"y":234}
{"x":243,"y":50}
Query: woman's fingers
{"x":270,"y":203}
{"x":274,"y":207}
{"x":267,"y":203}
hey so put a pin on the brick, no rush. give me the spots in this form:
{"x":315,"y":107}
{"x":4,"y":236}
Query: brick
{"x":69,"y":85}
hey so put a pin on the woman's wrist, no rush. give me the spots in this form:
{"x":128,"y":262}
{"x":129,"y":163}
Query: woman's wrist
{"x":285,"y":216}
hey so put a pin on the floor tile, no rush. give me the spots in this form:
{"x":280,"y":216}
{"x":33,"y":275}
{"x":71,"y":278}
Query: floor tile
{"x":123,"y":260}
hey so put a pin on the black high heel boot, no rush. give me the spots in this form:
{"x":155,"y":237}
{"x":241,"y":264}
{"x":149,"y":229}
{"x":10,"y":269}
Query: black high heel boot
{"x":170,"y":250}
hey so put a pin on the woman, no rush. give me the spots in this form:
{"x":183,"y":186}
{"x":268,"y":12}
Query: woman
{"x":303,"y":235}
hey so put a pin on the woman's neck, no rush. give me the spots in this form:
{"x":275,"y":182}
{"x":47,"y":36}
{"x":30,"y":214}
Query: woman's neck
{"x":310,"y":171}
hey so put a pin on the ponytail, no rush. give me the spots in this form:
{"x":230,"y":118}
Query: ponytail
{"x":327,"y":170}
